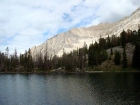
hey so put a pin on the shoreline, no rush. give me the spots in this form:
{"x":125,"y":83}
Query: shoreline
{"x":86,"y":72}
{"x":111,"y":71}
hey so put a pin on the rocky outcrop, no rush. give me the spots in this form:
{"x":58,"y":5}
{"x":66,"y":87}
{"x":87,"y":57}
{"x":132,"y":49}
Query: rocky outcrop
{"x":76,"y":37}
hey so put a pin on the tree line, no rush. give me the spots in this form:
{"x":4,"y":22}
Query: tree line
{"x":78,"y":59}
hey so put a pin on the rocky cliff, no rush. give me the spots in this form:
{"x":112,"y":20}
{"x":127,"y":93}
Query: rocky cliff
{"x":76,"y":37}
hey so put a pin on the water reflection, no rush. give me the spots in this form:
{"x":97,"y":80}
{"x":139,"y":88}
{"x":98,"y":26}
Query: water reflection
{"x":117,"y":88}
{"x":70,"y":89}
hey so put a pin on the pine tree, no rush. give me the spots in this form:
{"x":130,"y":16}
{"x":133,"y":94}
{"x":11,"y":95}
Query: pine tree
{"x":108,"y":42}
{"x":25,"y":59}
{"x":7,"y":50}
{"x":124,"y":60}
{"x":136,"y":57}
{"x":93,"y":55}
{"x":90,"y":55}
{"x":117,"y":58}
{"x":118,"y":41}
{"x":111,"y":51}
{"x":123,"y":38}
{"x":102,"y":43}
{"x":15,"y":57}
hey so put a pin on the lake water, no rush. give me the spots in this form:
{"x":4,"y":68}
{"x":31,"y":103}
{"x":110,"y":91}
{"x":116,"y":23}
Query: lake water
{"x":70,"y":89}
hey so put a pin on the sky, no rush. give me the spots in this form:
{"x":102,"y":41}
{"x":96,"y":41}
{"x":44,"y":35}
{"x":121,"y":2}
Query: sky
{"x":26,"y":23}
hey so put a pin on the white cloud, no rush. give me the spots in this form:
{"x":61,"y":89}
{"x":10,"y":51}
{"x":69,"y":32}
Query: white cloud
{"x":25,"y":23}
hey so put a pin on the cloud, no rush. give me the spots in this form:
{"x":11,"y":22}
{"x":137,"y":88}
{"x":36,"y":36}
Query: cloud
{"x":135,"y":2}
{"x":25,"y":23}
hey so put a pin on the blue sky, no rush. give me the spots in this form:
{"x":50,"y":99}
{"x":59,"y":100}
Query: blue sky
{"x":26,"y":23}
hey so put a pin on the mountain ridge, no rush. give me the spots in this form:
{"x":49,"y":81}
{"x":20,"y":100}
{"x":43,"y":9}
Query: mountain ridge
{"x":76,"y":37}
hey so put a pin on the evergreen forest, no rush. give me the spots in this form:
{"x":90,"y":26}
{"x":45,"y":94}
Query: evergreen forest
{"x":83,"y":59}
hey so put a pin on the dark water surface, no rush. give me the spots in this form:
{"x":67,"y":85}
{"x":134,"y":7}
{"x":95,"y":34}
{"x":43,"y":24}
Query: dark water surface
{"x":70,"y":89}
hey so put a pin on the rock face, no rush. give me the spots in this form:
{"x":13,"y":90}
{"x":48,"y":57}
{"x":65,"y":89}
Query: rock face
{"x":76,"y":37}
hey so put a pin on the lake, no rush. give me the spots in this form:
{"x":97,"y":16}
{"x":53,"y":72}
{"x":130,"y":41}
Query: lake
{"x":70,"y":89}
